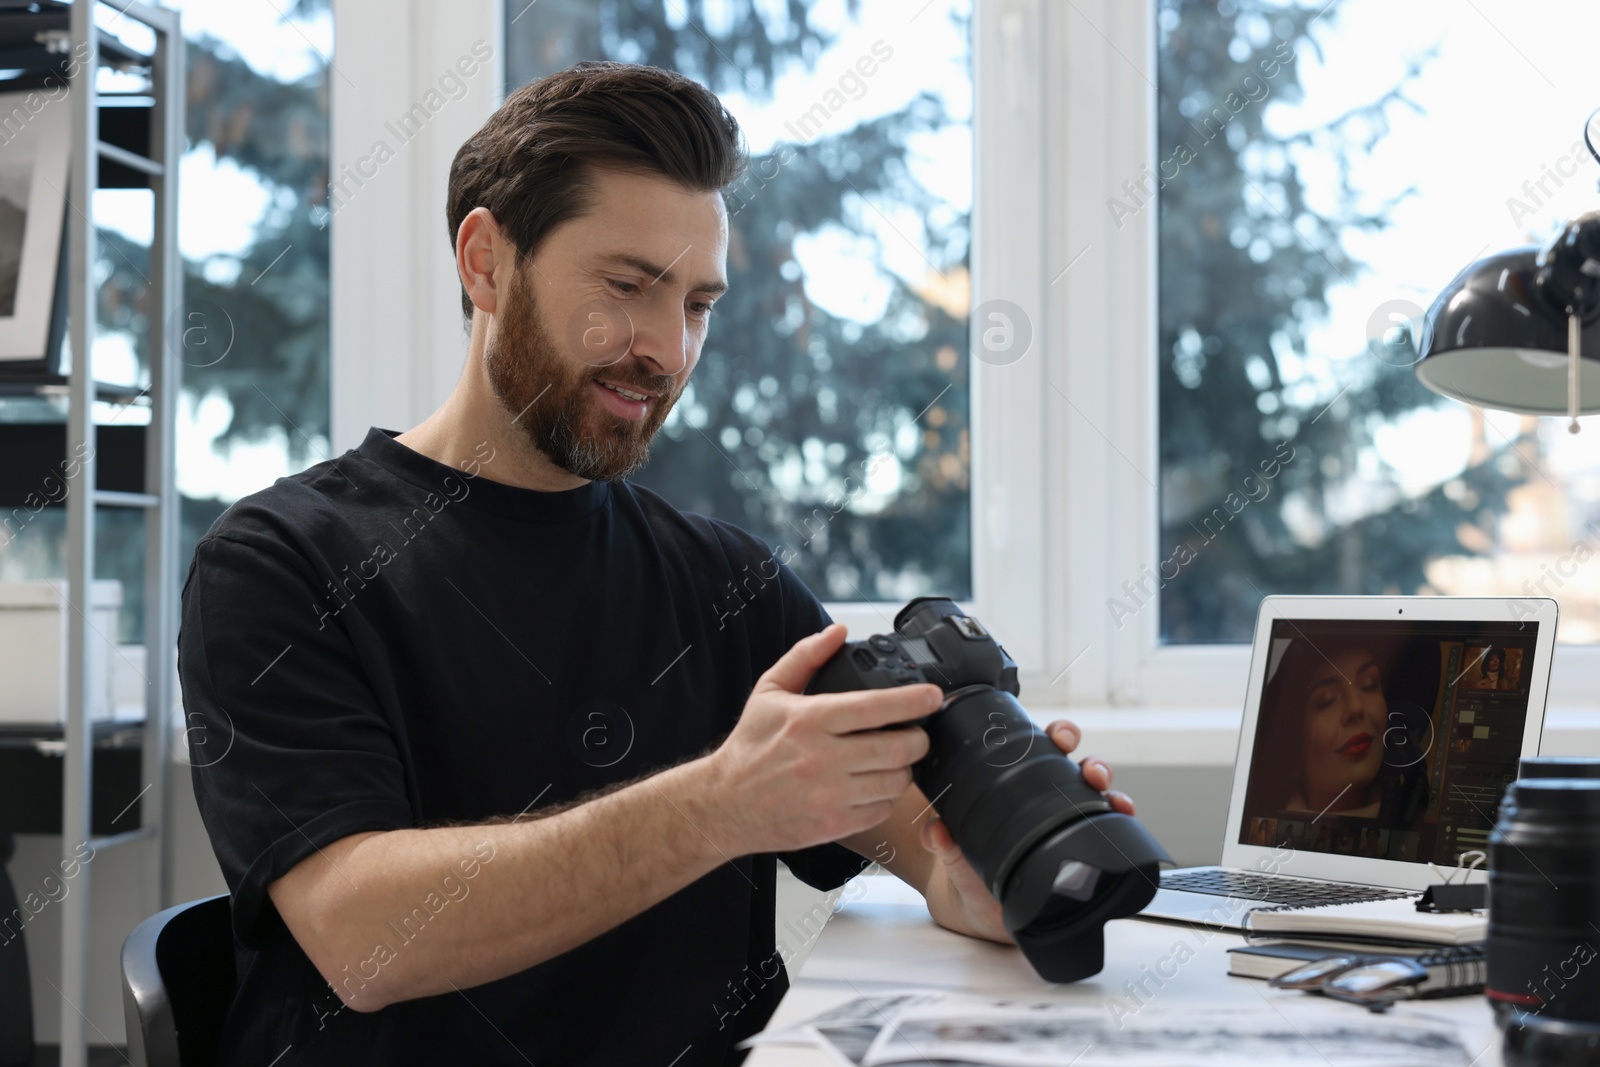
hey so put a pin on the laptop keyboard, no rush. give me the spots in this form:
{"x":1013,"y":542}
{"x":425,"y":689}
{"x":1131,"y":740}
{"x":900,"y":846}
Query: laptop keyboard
{"x":1272,"y":889}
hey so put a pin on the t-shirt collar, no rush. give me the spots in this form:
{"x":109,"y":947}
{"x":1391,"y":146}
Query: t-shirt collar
{"x":481,"y":492}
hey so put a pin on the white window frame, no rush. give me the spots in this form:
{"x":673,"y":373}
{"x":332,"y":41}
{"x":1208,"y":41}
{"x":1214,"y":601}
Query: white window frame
{"x":397,"y":341}
{"x":1109,"y":137}
{"x":1064,"y":441}
{"x":397,"y":344}
{"x":1110,"y":454}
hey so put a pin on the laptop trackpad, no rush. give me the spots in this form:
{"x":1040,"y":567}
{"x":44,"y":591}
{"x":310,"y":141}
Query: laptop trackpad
{"x":1221,"y":913}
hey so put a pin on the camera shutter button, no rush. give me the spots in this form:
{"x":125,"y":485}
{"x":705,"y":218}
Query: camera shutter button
{"x":882,"y":643}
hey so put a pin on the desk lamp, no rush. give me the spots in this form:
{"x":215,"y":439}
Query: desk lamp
{"x":1514,"y":330}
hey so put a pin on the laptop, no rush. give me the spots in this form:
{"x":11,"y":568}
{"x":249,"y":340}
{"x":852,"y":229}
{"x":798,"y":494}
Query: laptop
{"x":1379,"y":734}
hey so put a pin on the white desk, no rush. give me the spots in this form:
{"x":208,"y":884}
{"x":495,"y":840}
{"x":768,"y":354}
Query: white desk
{"x":885,"y":940}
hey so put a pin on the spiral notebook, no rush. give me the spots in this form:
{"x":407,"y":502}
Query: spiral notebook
{"x":1371,"y":922}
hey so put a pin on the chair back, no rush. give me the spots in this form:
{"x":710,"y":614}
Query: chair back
{"x":177,"y":984}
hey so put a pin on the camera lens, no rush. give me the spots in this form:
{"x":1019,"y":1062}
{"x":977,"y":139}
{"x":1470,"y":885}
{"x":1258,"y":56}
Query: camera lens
{"x":1539,"y":1041}
{"x":1544,"y":921}
{"x":1559,"y":767}
{"x":1050,"y":848}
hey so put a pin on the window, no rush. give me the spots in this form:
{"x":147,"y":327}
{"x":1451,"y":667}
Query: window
{"x":254,"y":336}
{"x":253,"y":230}
{"x":830,"y":411}
{"x":1321,"y":173}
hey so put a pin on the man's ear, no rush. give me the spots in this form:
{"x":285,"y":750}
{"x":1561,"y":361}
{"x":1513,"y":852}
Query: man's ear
{"x":480,"y":248}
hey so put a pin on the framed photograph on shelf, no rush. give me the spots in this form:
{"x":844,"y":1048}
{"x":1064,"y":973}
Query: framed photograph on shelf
{"x":35,"y":146}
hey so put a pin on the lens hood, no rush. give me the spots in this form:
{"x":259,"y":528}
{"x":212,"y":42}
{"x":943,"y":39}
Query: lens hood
{"x":1060,"y":896}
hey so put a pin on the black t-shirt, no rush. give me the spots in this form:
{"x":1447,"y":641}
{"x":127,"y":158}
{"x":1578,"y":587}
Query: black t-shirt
{"x":382,"y":641}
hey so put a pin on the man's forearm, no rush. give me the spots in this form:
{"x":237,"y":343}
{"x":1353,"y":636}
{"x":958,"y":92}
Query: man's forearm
{"x":795,"y":771}
{"x":537,"y":887}
{"x":894,"y":843}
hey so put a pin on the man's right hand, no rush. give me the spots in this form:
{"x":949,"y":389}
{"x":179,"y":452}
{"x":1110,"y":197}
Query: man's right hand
{"x":796,"y":771}
{"x":802,"y":770}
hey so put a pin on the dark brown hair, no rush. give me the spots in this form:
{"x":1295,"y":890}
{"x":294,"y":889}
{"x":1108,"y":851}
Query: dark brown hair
{"x":530,"y":163}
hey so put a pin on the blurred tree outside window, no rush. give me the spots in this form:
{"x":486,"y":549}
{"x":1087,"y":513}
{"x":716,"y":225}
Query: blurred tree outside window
{"x":252,"y":231}
{"x":1323,"y":171}
{"x":829,"y":412}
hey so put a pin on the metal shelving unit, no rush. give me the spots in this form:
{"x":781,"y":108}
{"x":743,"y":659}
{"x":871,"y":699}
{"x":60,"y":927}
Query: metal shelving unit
{"x":158,"y":169}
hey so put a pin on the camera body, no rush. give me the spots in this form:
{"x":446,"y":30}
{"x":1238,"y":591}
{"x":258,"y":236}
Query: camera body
{"x":1050,"y":848}
{"x":933,"y":641}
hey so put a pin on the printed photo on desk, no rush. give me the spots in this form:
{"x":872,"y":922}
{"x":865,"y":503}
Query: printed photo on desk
{"x":1273,"y":1034}
{"x":964,"y":1030}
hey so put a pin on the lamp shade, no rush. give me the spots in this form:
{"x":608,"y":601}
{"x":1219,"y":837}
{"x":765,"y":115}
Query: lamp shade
{"x":1495,"y":338}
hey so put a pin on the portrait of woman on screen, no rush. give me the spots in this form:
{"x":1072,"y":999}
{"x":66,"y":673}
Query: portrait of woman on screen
{"x":1333,"y":741}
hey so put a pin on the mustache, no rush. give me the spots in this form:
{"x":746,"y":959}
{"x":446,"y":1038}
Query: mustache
{"x":660,"y":384}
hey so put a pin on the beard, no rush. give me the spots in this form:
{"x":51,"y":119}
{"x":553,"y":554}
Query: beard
{"x":550,"y":396}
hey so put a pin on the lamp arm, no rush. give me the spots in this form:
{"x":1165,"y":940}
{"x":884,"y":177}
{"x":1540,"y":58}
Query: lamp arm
{"x":1574,"y":363}
{"x":1574,"y":257}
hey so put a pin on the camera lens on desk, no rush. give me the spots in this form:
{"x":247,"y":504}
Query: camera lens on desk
{"x":1544,"y":922}
{"x":1559,"y":767}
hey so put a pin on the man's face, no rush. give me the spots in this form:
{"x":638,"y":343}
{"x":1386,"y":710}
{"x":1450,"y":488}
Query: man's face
{"x":595,"y":336}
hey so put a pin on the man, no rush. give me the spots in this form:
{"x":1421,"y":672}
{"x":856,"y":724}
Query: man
{"x":492,"y":773}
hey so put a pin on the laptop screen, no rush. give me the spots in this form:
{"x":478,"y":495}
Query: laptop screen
{"x":1387,"y":739}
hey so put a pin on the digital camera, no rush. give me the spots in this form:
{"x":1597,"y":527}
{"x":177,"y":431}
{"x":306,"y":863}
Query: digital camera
{"x":1055,"y":855}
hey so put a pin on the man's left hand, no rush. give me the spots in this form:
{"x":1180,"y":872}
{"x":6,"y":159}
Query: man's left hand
{"x":957,"y":898}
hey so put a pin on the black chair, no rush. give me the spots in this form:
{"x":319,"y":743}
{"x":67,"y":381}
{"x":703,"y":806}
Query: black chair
{"x":177,"y":984}
{"x":16,"y":990}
